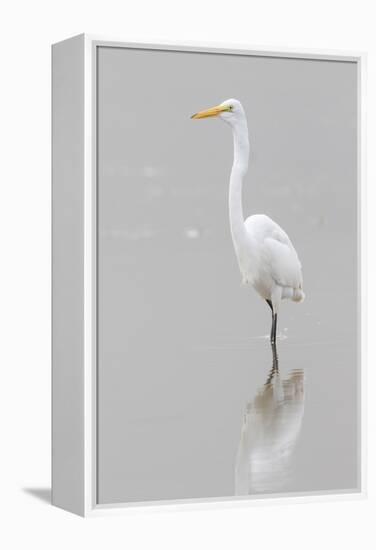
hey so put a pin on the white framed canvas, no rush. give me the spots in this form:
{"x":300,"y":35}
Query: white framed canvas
{"x":206,"y":274}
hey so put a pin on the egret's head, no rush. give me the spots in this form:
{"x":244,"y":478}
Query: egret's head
{"x":231,"y":111}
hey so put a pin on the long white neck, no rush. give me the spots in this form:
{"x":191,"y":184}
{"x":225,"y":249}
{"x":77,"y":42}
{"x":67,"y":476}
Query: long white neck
{"x":239,"y":169}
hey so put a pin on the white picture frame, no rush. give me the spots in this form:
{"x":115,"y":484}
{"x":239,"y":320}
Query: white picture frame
{"x":74,"y":347}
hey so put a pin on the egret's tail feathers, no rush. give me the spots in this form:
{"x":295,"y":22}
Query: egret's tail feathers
{"x":298,"y":295}
{"x":294,"y":294}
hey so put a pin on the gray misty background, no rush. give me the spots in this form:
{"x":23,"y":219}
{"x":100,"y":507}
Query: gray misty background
{"x":183,"y":355}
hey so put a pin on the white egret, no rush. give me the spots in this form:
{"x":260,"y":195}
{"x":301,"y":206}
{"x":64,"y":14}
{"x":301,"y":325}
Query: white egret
{"x":266,"y":257}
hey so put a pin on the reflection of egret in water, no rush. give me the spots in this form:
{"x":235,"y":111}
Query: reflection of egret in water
{"x":269,"y":433}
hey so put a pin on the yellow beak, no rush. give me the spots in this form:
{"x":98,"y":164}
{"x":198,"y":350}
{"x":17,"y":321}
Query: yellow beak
{"x":214,"y":111}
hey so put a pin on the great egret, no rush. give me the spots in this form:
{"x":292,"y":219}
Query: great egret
{"x":266,"y":257}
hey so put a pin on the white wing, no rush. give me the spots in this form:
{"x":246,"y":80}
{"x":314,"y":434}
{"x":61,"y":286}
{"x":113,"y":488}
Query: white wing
{"x":277,"y":255}
{"x":285,"y":267}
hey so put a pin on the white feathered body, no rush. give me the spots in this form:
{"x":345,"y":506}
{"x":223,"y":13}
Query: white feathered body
{"x":268,"y":261}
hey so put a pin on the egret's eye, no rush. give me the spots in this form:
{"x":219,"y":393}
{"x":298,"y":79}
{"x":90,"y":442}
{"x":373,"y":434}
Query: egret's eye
{"x":230,"y":107}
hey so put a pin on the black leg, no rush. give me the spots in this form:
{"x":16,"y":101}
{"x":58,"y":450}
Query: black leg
{"x":275,"y":357}
{"x":273,"y":334}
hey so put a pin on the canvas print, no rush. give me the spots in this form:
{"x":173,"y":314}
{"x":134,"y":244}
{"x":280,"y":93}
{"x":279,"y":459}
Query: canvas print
{"x":227,"y":273}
